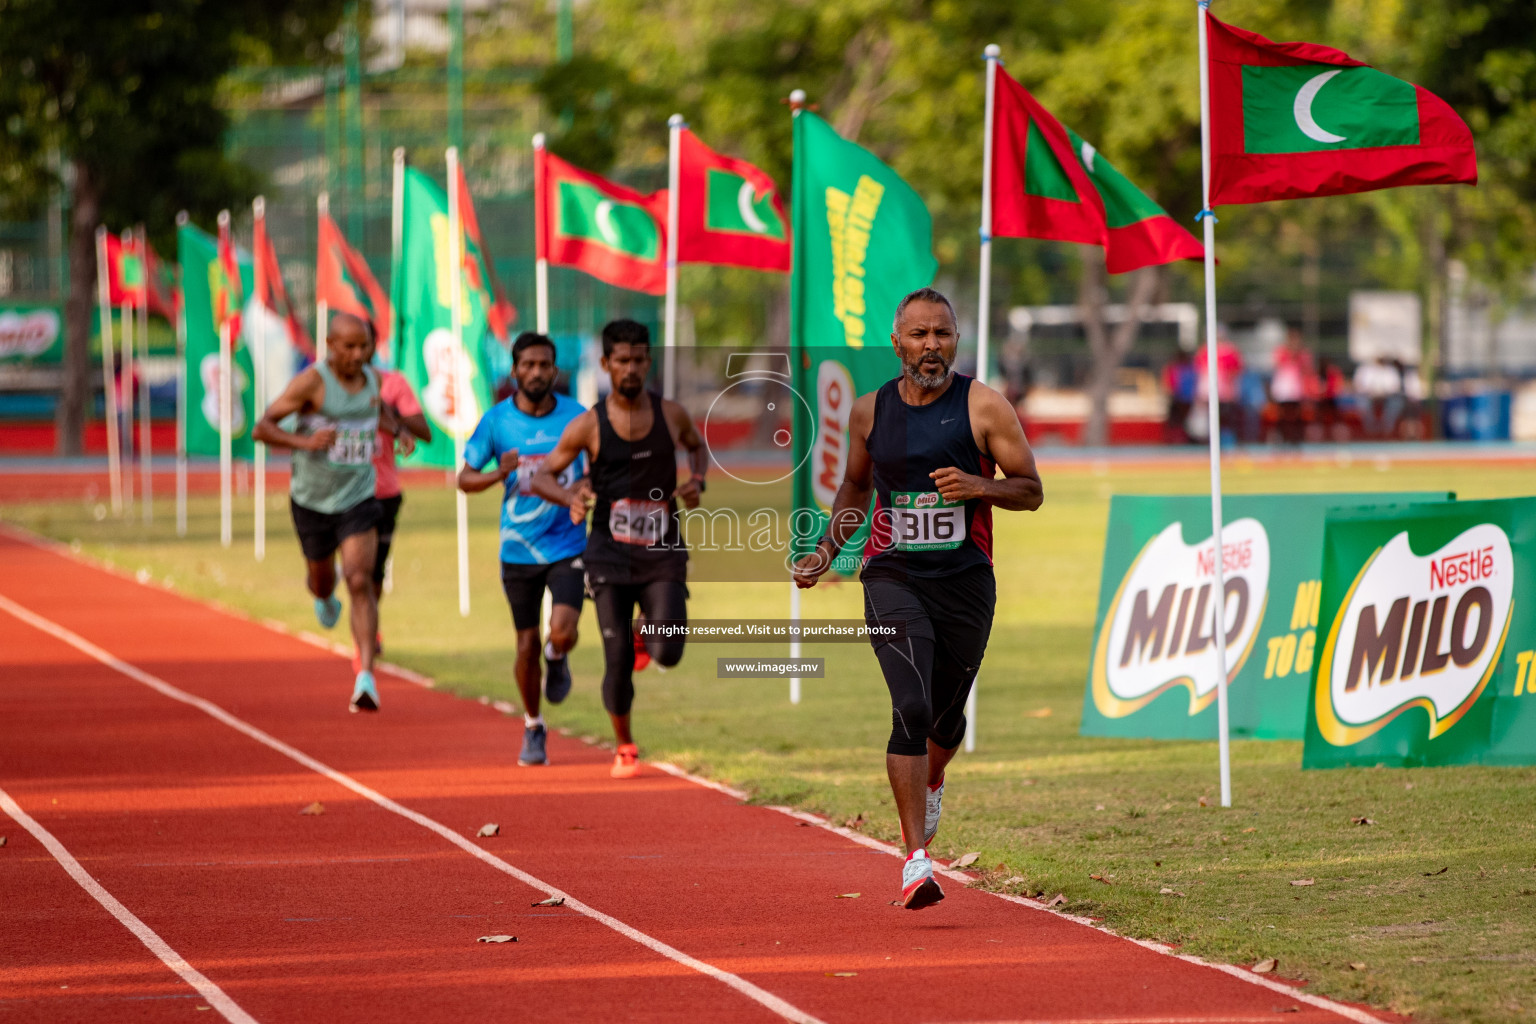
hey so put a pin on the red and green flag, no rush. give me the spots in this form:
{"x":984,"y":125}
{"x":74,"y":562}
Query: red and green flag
{"x":1049,"y":183}
{"x":588,"y":222}
{"x":135,"y":276}
{"x":1291,"y":120}
{"x":228,"y":290}
{"x":479,"y":273}
{"x":345,"y":284}
{"x":160,"y":281}
{"x":271,"y":294}
{"x":728,"y":211}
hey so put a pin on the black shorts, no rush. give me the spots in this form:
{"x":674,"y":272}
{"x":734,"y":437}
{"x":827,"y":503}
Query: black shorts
{"x":389,"y":512}
{"x":945,"y":623}
{"x":321,"y":533}
{"x":524,"y":586}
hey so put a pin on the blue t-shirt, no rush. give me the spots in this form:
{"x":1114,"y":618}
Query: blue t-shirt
{"x":533,"y":531}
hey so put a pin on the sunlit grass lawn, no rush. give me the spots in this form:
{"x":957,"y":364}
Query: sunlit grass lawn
{"x":1036,"y":799}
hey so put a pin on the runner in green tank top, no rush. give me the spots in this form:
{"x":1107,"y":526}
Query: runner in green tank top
{"x":339,"y":416}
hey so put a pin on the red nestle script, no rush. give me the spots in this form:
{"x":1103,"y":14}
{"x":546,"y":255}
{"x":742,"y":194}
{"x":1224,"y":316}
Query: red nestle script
{"x":1233,"y":557}
{"x":1460,"y":568}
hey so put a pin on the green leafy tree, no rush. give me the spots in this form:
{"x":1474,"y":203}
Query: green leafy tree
{"x":118,"y":103}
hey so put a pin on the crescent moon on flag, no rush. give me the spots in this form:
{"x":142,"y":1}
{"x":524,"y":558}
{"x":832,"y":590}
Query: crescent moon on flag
{"x":603,"y":216}
{"x":1088,"y":153}
{"x":1302,"y":108}
{"x":748,"y":215}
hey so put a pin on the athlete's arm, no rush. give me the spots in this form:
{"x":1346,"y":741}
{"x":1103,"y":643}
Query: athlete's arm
{"x":687,"y":435}
{"x":1001,"y":439}
{"x":851,"y":505}
{"x":472,"y":480}
{"x":303,"y":393}
{"x":575,"y":439}
{"x":416,"y":423}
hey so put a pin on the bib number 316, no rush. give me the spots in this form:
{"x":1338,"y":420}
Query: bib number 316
{"x":924,"y":521}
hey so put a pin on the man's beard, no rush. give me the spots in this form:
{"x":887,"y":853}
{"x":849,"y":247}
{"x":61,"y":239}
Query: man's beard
{"x":630,"y":388}
{"x":926,"y":381}
{"x":536,"y":392}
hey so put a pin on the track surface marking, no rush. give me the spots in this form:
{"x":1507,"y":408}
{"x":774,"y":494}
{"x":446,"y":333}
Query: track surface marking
{"x":361,"y":914}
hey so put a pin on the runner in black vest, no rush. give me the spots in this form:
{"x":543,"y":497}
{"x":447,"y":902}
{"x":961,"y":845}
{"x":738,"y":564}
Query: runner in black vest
{"x":635,"y":553}
{"x":927,"y":446}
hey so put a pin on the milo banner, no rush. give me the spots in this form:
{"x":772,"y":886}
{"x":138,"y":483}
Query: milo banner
{"x":31,"y":334}
{"x":452,"y":380}
{"x":205,"y":290}
{"x":862,"y":240}
{"x":1153,"y":670}
{"x":1427,"y":637}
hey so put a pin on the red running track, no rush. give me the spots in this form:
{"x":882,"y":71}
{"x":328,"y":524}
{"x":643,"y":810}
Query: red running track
{"x":168,"y":747}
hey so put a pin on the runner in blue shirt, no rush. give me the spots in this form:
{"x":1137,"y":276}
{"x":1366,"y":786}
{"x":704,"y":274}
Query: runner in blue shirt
{"x":540,"y":546}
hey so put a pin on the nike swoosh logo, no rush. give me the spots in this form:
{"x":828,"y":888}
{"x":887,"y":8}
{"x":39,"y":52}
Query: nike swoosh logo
{"x":950,"y":420}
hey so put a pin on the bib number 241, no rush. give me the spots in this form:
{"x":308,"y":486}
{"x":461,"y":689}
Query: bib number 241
{"x":924,"y":521}
{"x":637,"y":521}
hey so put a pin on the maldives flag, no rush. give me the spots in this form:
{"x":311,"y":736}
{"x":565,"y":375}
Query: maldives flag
{"x":345,"y":284}
{"x":728,"y":212}
{"x":229,"y":290}
{"x":160,"y":282}
{"x":590,"y":223}
{"x":271,"y":294}
{"x":1048,"y":183}
{"x":125,"y":270}
{"x":500,"y":314}
{"x":1291,"y":120}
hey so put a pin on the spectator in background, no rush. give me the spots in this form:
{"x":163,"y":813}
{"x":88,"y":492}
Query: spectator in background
{"x":1379,"y":393}
{"x":1331,"y":388}
{"x":1293,"y":383}
{"x":1413,"y":400}
{"x":1229,"y":372}
{"x":1179,"y":382}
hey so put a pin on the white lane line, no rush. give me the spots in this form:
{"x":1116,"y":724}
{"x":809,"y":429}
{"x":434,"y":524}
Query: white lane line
{"x":215,"y":996}
{"x":1242,"y":974}
{"x":758,"y":995}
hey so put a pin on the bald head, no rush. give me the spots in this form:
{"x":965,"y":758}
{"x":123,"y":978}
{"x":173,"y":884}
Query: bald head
{"x":348,"y":344}
{"x":346,"y":324}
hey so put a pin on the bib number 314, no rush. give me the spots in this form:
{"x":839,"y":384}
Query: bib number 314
{"x":924,"y":521}
{"x":637,"y":521}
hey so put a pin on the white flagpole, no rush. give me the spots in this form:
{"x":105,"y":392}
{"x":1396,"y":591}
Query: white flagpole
{"x":108,"y":379}
{"x":396,"y":245}
{"x":675,"y":126}
{"x":146,"y":445}
{"x":1213,"y":419}
{"x":226,"y":421}
{"x":181,"y":406}
{"x":540,"y":264}
{"x":796,"y":101}
{"x":993,"y":56}
{"x":456,"y":299}
{"x":322,"y":313}
{"x":259,"y":365}
{"x":125,"y":327}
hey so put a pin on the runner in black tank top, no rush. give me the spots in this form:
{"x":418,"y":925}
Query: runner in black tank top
{"x":926,"y":446}
{"x":634,"y":554}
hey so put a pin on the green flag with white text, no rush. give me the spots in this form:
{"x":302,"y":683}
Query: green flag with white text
{"x":862,"y":240}
{"x":451,"y":378}
{"x":205,"y":289}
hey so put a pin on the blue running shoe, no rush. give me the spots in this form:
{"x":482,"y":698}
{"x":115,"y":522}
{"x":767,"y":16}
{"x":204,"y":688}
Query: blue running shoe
{"x":557,"y":678}
{"x":327,"y":610}
{"x":533,"y":746}
{"x":919,"y":888}
{"x":365,"y":694}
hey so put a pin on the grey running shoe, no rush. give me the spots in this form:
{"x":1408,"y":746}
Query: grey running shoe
{"x":533,"y":746}
{"x":919,"y":888}
{"x":932,"y":812}
{"x":557,"y":679}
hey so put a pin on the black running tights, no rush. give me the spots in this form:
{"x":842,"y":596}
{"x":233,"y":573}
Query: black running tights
{"x":615,"y":602}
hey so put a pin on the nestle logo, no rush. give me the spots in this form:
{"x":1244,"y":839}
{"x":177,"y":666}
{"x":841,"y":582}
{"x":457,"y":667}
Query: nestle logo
{"x":1453,"y":570}
{"x":1234,"y":558}
{"x":926,"y":500}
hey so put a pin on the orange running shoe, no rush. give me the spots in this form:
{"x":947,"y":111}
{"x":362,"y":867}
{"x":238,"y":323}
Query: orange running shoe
{"x":626,"y":763}
{"x":642,"y":655}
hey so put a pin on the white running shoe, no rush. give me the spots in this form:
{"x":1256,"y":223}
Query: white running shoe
{"x":919,"y":888}
{"x":932,"y":812}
